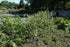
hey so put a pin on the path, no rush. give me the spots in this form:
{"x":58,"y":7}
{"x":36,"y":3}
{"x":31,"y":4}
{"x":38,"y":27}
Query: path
{"x":11,"y":15}
{"x":63,"y":13}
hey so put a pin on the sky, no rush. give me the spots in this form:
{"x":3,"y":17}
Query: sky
{"x":16,"y":1}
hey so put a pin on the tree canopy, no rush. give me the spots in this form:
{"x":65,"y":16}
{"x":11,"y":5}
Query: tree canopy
{"x":21,"y":4}
{"x":6,"y":3}
{"x":51,"y":4}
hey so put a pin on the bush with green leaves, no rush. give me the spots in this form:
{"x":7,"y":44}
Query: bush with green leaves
{"x":47,"y":41}
{"x":59,"y":44}
{"x":5,"y":41}
{"x":59,"y":20}
{"x":67,"y":23}
{"x":11,"y":29}
{"x":11,"y":25}
{"x":55,"y":38}
{"x":16,"y":31}
{"x":64,"y":24}
{"x":3,"y":10}
{"x":41,"y":24}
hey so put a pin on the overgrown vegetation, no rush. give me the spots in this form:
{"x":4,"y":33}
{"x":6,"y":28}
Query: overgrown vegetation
{"x":14,"y":32}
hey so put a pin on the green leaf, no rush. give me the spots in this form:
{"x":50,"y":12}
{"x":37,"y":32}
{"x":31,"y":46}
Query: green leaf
{"x":14,"y":45}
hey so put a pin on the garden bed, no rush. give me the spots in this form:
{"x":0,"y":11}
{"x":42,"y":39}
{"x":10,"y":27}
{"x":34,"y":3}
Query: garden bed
{"x":39,"y":31}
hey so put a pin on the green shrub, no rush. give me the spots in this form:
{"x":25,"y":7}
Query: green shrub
{"x":3,"y":10}
{"x":55,"y":38}
{"x":11,"y":30}
{"x":17,"y":31}
{"x":67,"y":23}
{"x":47,"y":41}
{"x":41,"y":23}
{"x":59,"y":20}
{"x":62,"y":24}
{"x":67,"y":31}
{"x":11,"y":25}
{"x":24,"y":11}
{"x":58,"y":44}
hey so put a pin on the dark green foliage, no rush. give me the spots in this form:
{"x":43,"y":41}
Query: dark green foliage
{"x":61,"y":26}
{"x":68,"y":5}
{"x":51,"y":4}
{"x":6,"y":3}
{"x":55,"y":38}
{"x":60,"y":22}
{"x":64,"y":24}
{"x":47,"y":41}
{"x":21,"y":5}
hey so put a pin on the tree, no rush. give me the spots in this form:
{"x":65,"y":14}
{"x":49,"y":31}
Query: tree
{"x":51,"y":4}
{"x":4,"y":3}
{"x":68,"y":5}
{"x":11,"y":3}
{"x":21,"y":5}
{"x":41,"y":3}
